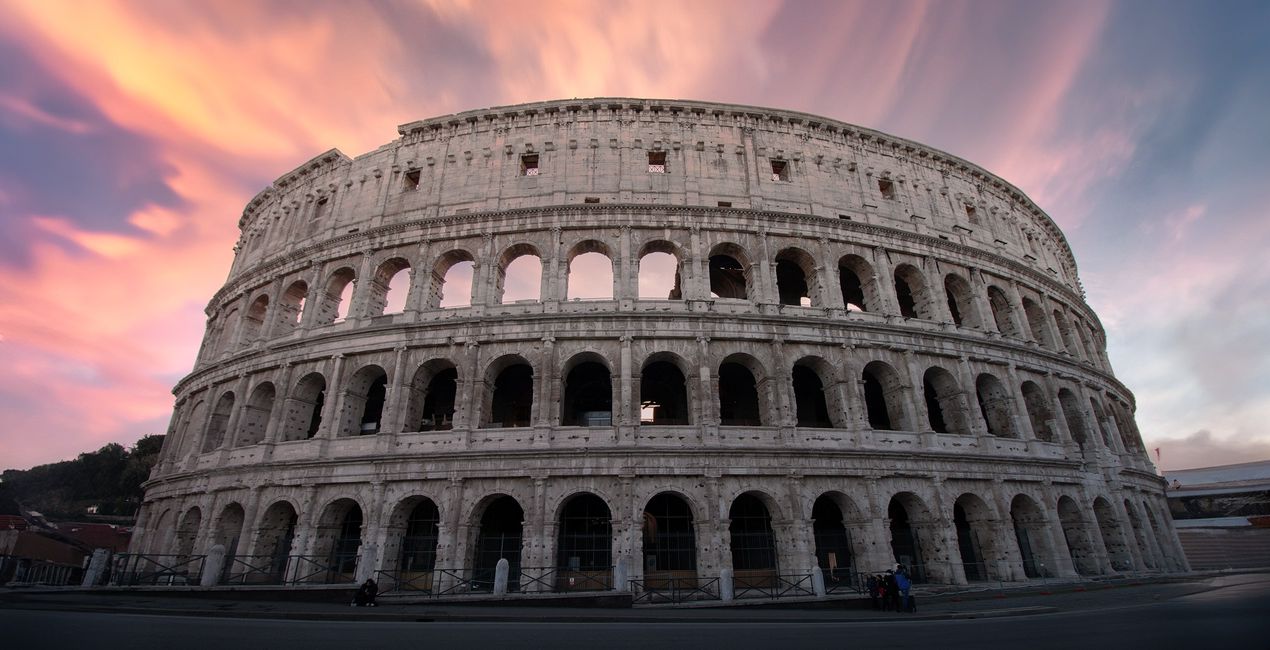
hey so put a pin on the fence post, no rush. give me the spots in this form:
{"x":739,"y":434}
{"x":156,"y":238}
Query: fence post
{"x":727,"y":591}
{"x":96,"y":566}
{"x":368,"y":554}
{"x":818,"y":581}
{"x":500,"y":577}
{"x":620,"y":580}
{"x":213,"y":565}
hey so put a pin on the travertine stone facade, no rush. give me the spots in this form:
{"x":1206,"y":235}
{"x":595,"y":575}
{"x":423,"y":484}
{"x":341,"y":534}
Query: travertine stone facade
{"x":874,"y":350}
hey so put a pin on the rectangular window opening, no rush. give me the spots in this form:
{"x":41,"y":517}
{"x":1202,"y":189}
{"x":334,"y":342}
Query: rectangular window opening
{"x":591,"y":199}
{"x":725,"y":204}
{"x":780,"y":170}
{"x":972,"y":214}
{"x":410,"y":181}
{"x":657,"y":162}
{"x":887,"y":188}
{"x":529,"y":164}
{"x":845,"y":216}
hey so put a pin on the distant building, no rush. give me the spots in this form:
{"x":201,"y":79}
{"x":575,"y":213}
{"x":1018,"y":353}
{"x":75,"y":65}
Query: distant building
{"x":1222,"y":514}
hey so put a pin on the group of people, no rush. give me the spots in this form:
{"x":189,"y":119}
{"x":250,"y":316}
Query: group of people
{"x":892,"y":592}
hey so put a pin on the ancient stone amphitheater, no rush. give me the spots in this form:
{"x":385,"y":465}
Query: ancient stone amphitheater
{"x":807,"y":344}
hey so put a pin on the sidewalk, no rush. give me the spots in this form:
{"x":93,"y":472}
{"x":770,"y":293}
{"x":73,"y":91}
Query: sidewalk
{"x":984,"y":604}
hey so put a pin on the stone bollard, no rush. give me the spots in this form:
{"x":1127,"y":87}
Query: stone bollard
{"x":818,"y":581}
{"x":96,"y":566}
{"x":213,"y":565}
{"x":727,"y":591}
{"x":621,"y":582}
{"x":366,"y":557}
{"x":500,"y":577}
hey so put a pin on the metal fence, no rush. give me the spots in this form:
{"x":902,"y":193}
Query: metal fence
{"x":135,"y":569}
{"x":255,"y":570}
{"x":25,"y":571}
{"x":674,"y":590}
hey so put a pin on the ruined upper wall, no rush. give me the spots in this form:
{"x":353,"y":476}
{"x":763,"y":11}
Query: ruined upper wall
{"x":597,"y":150}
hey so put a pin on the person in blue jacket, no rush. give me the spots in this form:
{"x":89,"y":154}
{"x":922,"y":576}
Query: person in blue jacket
{"x":904,"y":584}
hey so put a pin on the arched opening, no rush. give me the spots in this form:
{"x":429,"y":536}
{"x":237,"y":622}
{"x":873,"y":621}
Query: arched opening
{"x":1139,"y":535}
{"x":273,"y":544}
{"x":588,"y":396}
{"x":795,"y":278}
{"x":452,"y":280}
{"x":1065,"y":334}
{"x":304,"y":408}
{"x":439,"y":393}
{"x":1113,"y":539}
{"x":229,"y":530}
{"x":1073,"y":416}
{"x":911,"y":293}
{"x":1029,"y":533}
{"x":995,"y":406}
{"x":670,"y":543}
{"x":1099,"y":423}
{"x":960,"y":301}
{"x":189,"y":439}
{"x":1038,"y":411}
{"x":729,"y":273}
{"x":833,"y":543}
{"x":417,"y":557}
{"x":903,"y":512}
{"x":338,"y":295}
{"x":228,"y":332}
{"x":883,"y":395}
{"x":390,"y":288}
{"x":363,"y":402}
{"x":753,"y":543}
{"x":663,"y":394}
{"x":859,"y":288}
{"x":338,"y":539}
{"x":1036,"y":323}
{"x":738,"y":396}
{"x":214,"y":437}
{"x":945,"y":405}
{"x":584,"y":548}
{"x":519,"y":275}
{"x":968,"y":544}
{"x":1076,"y":534}
{"x":590,"y":272}
{"x":291,"y":306}
{"x":499,"y":537}
{"x":511,"y":404}
{"x":809,"y":398}
{"x":659,"y":272}
{"x":187,"y":534}
{"x":255,"y":418}
{"x":1002,"y":312}
{"x":254,"y":321}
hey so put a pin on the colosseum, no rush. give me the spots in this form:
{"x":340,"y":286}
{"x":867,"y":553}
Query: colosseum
{"x":649,"y":346}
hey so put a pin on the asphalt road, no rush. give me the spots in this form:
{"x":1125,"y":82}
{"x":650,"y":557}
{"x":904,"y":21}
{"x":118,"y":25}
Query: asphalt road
{"x":1232,"y":616}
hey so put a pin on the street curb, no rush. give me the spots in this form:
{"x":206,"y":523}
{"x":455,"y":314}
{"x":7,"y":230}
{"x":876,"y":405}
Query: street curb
{"x":527,"y":617}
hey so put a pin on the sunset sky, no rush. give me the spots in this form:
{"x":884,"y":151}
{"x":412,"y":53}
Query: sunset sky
{"x":133,"y":133}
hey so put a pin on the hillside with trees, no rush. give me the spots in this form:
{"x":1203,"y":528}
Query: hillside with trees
{"x":108,"y":479}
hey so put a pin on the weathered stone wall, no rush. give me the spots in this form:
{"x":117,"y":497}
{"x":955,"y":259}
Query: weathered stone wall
{"x":997,"y":313}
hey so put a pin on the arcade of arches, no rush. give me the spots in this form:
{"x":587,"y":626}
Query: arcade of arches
{"x":947,"y":532}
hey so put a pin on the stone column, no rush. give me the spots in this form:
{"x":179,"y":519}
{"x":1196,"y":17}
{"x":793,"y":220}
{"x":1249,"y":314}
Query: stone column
{"x":707,"y":398}
{"x":359,"y":302}
{"x":247,"y":539}
{"x":312,"y":299}
{"x":467,"y":414}
{"x":1131,"y":534}
{"x":420,"y":280}
{"x":329,"y":428}
{"x":398,"y":394}
{"x":627,"y":412}
{"x":884,"y":279}
{"x":979,"y":299}
{"x":544,"y":400}
{"x":1022,"y":421}
{"x":1064,"y":566}
{"x":764,"y":277}
{"x":974,"y":414}
{"x":830,"y":284}
{"x":240,"y":406}
{"x":920,"y":416}
{"x":625,"y":281}
{"x":1006,"y":539}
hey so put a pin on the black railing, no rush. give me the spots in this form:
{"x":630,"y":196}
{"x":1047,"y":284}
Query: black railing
{"x":653,"y":591}
{"x":21,"y":570}
{"x":255,"y":570}
{"x":135,"y":569}
{"x":305,"y":569}
{"x":771,"y":585}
